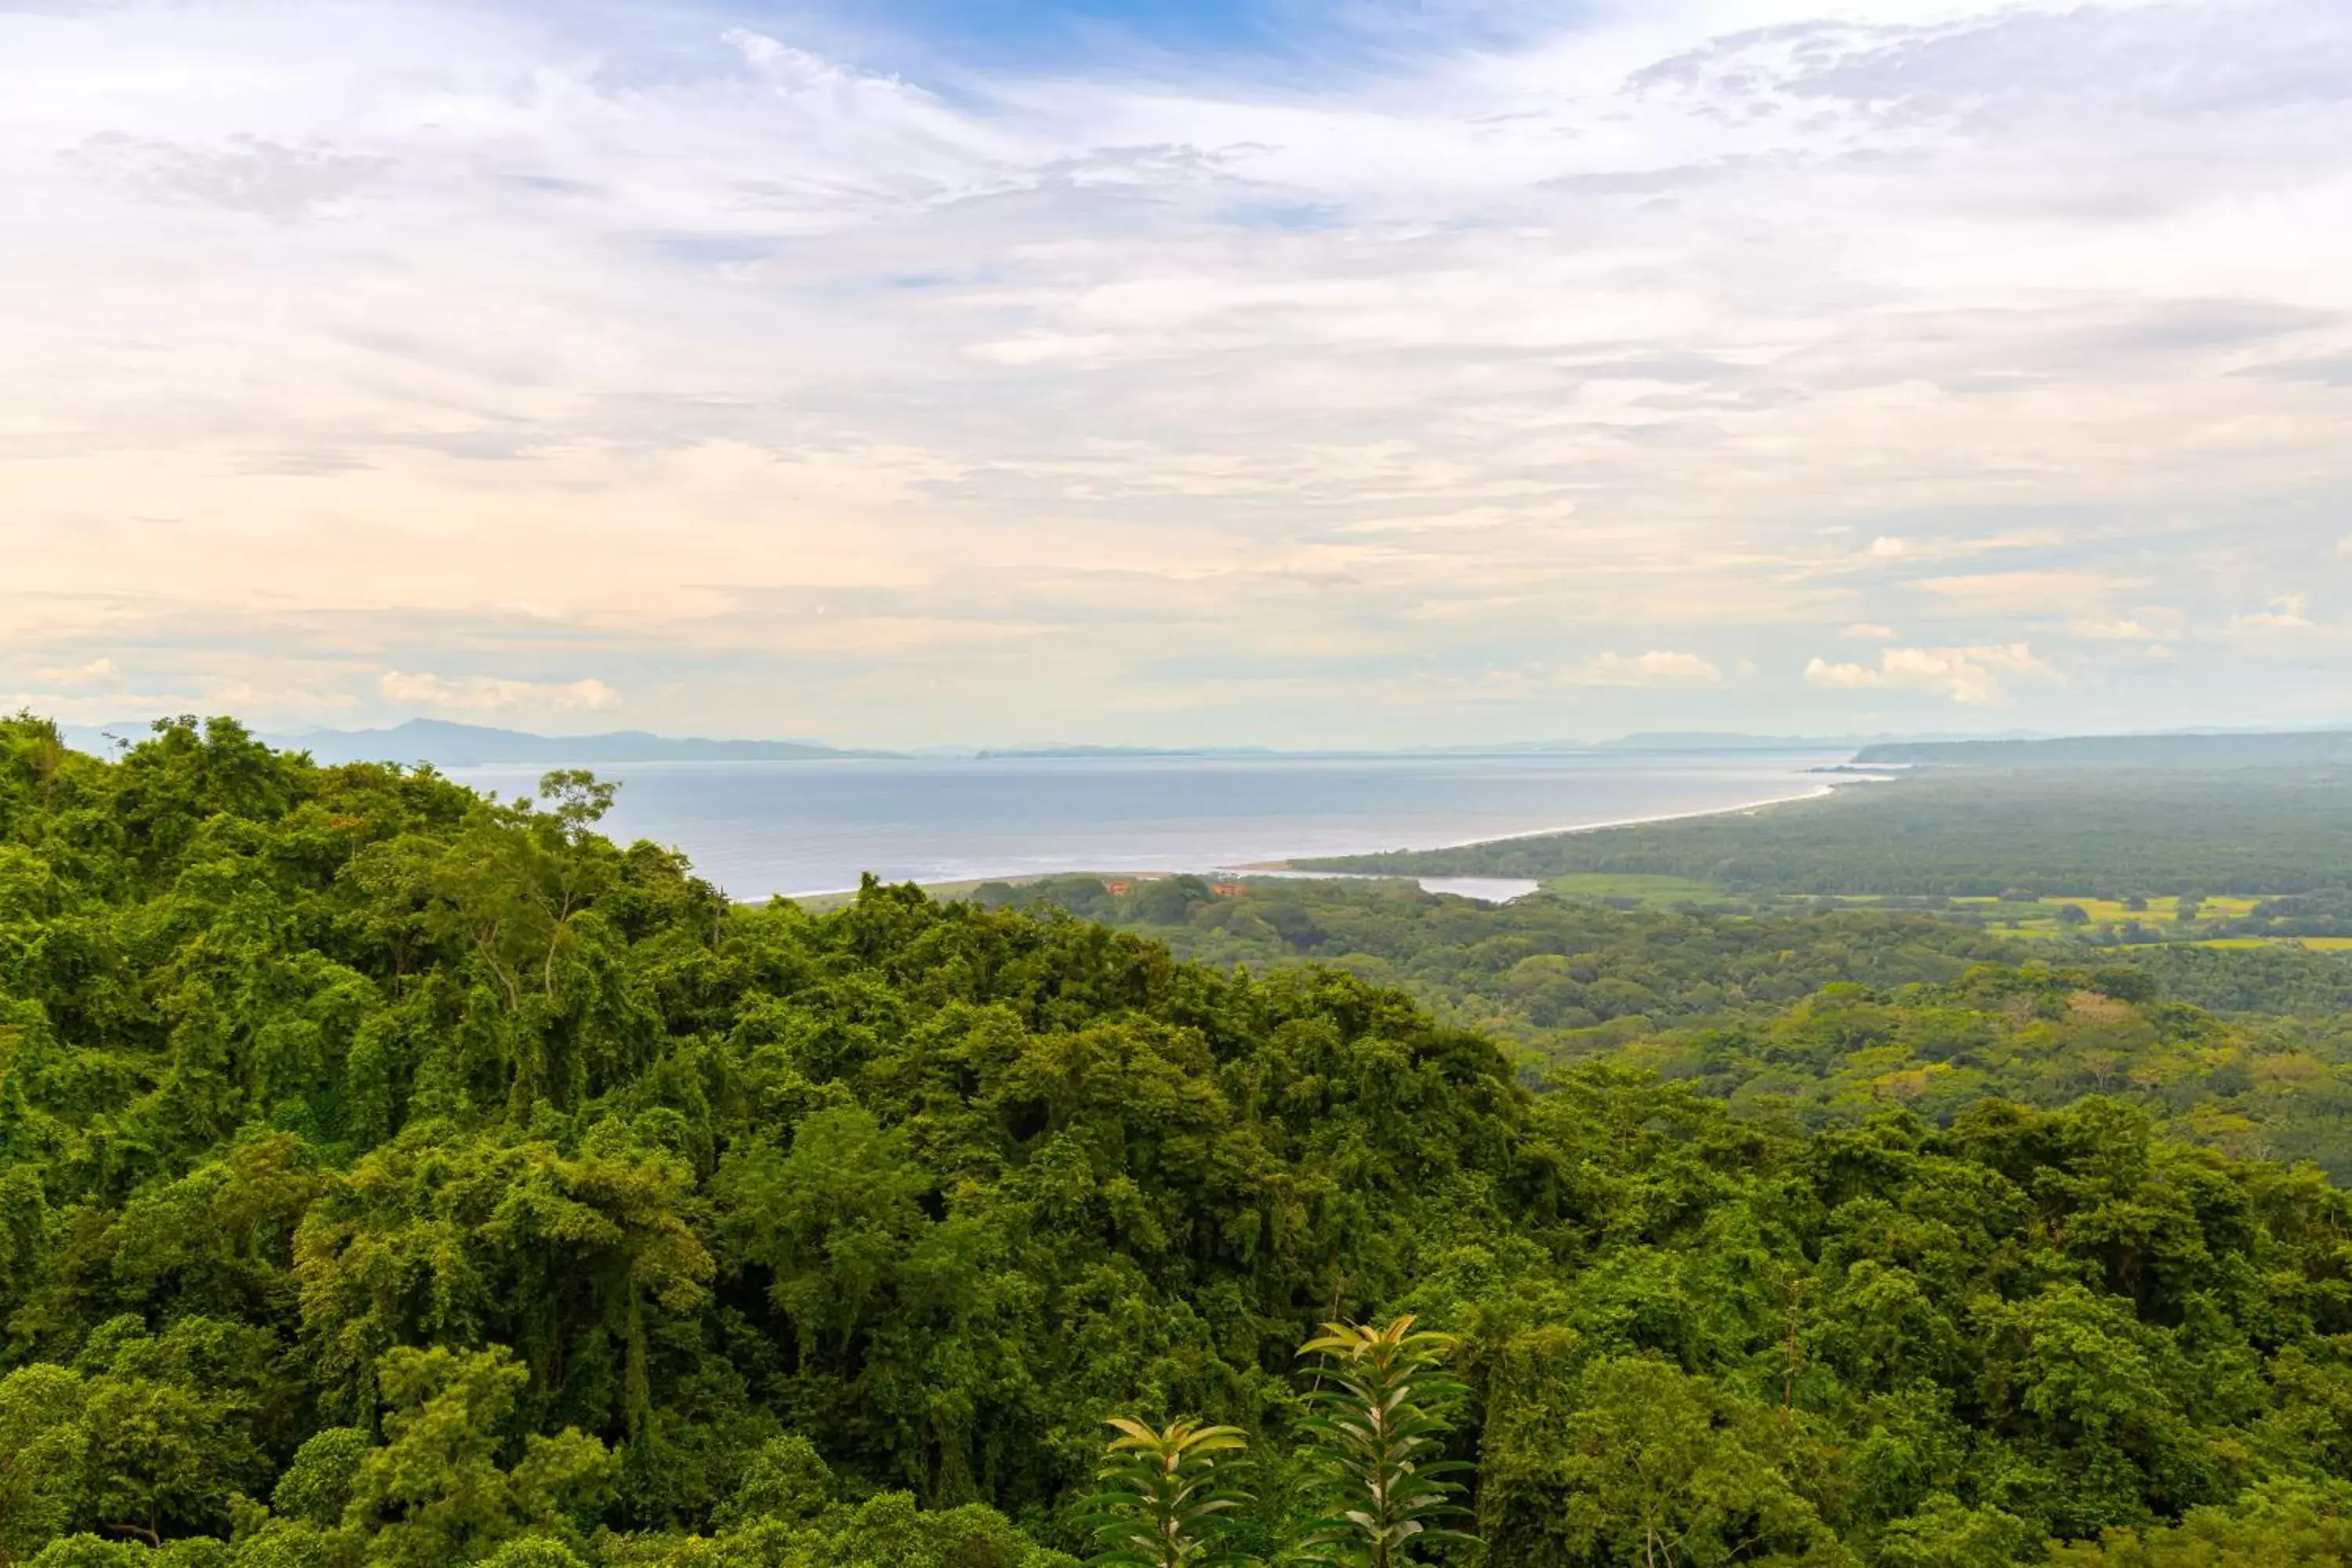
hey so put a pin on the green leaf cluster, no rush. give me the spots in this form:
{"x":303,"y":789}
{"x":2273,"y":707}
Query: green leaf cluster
{"x":1163,"y":1503}
{"x":1375,"y":1445}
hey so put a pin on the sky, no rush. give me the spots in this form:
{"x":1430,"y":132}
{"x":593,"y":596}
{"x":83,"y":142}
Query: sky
{"x":1301,"y":372}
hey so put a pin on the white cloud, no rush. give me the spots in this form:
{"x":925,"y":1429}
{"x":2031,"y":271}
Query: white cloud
{"x":2287,"y":613}
{"x":1970,"y":676}
{"x":1659,"y":667}
{"x":485,"y":693}
{"x":97,"y":673}
{"x":2121,"y":629}
{"x":1903,"y":550}
{"x":1871,"y":631}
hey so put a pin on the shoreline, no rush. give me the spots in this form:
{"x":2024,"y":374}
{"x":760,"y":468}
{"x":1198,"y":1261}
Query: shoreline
{"x":1818,"y":792}
{"x":1290,"y":869}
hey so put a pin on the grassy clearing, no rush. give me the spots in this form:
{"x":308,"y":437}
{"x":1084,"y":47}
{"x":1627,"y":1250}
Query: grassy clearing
{"x":1649,"y":888}
{"x":2112,"y":912}
{"x":2231,"y":905}
{"x":2040,"y":918}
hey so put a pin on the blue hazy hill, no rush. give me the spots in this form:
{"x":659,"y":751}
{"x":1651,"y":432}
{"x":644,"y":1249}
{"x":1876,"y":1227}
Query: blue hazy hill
{"x":450,"y":745}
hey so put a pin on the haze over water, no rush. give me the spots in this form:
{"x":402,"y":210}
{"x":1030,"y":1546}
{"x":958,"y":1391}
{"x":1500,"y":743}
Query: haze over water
{"x":759,"y":828}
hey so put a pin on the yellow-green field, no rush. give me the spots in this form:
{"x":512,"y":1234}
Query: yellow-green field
{"x":2111,"y":911}
{"x":2037,"y":919}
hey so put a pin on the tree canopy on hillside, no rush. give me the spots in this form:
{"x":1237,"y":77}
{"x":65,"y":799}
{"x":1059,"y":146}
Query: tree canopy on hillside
{"x":392,"y":1175}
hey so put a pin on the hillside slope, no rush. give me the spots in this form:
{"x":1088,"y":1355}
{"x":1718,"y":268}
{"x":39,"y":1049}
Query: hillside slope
{"x":391,"y":1176}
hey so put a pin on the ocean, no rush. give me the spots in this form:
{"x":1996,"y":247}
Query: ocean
{"x":797,"y":828}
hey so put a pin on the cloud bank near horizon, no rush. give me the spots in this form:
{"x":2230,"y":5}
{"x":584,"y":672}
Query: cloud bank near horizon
{"x":1304,"y":376}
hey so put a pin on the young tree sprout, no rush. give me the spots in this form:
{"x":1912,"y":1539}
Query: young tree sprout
{"x":1374,"y":1442}
{"x":1162,"y":1505}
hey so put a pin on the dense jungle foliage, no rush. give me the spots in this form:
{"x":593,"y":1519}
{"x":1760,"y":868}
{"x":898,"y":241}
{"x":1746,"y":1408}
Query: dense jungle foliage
{"x":393,"y":1176}
{"x":1823,"y":1017}
{"x":1970,"y":832}
{"x":1491,"y":967}
{"x":1543,"y":965}
{"x":2043,"y":1035}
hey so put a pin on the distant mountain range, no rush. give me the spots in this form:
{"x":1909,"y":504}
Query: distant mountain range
{"x":1714,"y":740}
{"x":2228,"y":749}
{"x":1010,"y":753}
{"x":1701,"y":741}
{"x":449,"y":745}
{"x":452,"y":746}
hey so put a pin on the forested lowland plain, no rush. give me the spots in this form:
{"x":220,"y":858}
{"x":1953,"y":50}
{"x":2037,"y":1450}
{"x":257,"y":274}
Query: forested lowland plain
{"x":393,"y":1175}
{"x":2061,"y":831}
{"x":1821,"y":1015}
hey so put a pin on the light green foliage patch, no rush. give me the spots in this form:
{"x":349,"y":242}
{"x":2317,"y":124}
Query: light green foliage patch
{"x":1648,"y":888}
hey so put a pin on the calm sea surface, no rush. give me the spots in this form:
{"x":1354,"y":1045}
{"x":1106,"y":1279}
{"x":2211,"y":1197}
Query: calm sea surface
{"x":758,"y":828}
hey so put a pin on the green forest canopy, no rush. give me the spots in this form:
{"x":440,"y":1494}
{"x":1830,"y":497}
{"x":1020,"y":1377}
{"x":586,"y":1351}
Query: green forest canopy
{"x":1819,"y":1015}
{"x":392,"y":1175}
{"x":1541,"y":968}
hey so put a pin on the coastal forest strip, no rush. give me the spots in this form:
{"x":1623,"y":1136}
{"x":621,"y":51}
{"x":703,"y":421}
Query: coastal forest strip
{"x":2064,"y":832}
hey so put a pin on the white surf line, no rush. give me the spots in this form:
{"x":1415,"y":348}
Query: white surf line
{"x":1291,"y":867}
